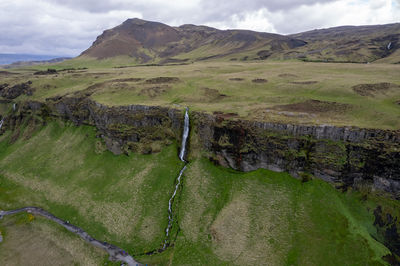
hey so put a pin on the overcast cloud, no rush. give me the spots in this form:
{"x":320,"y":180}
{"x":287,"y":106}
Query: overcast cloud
{"x":67,"y":27}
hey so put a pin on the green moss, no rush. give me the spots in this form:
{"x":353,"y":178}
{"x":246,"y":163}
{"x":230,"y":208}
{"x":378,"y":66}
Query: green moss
{"x":124,"y":200}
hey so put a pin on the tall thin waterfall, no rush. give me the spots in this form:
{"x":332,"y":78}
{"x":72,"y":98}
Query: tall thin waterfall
{"x":1,"y":123}
{"x":178,"y":182}
{"x":184,"y":136}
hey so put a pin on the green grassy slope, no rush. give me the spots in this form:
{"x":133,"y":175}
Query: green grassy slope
{"x":224,"y":217}
{"x":33,"y":241}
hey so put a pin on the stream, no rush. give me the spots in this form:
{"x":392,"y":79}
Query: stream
{"x":178,"y":180}
{"x":116,"y":253}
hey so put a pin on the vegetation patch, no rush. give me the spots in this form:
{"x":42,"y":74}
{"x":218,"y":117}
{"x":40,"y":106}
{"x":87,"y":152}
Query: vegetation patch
{"x":236,"y":79}
{"x":127,"y":80}
{"x":49,"y":71}
{"x":213,"y":94}
{"x":6,"y":73}
{"x":154,"y":91}
{"x":374,"y":88}
{"x":314,"y":106}
{"x":159,"y":80}
{"x":287,"y":75}
{"x":259,"y":80}
{"x":309,"y":82}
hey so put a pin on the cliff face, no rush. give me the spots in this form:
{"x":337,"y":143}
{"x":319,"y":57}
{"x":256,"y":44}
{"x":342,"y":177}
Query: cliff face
{"x":341,"y":155}
{"x":344,"y":156}
{"x":137,"y":128}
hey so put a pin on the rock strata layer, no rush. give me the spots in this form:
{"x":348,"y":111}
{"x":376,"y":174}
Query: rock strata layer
{"x":345,"y":156}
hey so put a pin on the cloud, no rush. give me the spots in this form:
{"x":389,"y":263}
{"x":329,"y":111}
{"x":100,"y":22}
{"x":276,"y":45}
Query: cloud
{"x":67,"y":27}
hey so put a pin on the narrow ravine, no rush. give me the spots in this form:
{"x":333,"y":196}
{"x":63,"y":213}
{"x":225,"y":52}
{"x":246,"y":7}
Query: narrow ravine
{"x":178,"y":180}
{"x":116,"y":254}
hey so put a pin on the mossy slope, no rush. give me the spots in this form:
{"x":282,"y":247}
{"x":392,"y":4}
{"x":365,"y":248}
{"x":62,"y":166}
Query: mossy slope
{"x":224,"y":216}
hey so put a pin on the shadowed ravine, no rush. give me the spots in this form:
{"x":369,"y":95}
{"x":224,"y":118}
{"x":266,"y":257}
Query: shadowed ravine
{"x":116,"y":254}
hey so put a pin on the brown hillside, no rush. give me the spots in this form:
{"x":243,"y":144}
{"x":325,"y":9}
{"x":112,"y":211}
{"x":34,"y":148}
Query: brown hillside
{"x":154,"y":42}
{"x":151,"y":41}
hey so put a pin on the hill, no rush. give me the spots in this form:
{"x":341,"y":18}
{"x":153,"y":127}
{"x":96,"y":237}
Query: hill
{"x":148,"y":41}
{"x":154,"y":42}
{"x":352,"y":43}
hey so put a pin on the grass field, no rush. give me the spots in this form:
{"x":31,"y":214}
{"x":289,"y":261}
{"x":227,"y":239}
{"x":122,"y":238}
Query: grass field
{"x":34,"y":241}
{"x":294,"y":92}
{"x":224,"y":217}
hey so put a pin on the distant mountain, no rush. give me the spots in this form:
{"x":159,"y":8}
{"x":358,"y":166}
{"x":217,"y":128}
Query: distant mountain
{"x":148,"y":41}
{"x":6,"y":59}
{"x":351,"y":43}
{"x":154,"y":42}
{"x":33,"y":63}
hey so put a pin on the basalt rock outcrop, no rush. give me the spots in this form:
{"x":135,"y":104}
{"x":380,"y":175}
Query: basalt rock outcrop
{"x":344,"y":156}
{"x":135,"y":128}
{"x":12,"y":92}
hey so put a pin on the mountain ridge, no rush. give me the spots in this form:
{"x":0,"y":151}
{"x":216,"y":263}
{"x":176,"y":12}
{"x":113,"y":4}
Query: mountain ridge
{"x":155,"y":42}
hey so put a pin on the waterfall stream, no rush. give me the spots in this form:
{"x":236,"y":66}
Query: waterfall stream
{"x":116,"y":253}
{"x":178,"y":181}
{"x":184,"y":136}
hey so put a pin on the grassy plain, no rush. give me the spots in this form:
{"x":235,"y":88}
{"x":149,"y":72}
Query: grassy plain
{"x":224,"y":217}
{"x":295,"y":92}
{"x":34,"y":241}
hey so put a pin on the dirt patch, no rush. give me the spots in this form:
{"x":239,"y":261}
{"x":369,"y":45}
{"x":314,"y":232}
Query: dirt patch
{"x":309,"y":82}
{"x":160,"y":80}
{"x":213,"y":94}
{"x":155,"y":91}
{"x":287,"y":75}
{"x":258,"y":80}
{"x":127,"y":80}
{"x":314,"y":106}
{"x":6,"y":73}
{"x":373,"y":89}
{"x":236,"y":79}
{"x":224,"y":115}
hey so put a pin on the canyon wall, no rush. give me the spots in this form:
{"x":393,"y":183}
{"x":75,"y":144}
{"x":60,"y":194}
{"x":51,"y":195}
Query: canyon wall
{"x":344,"y":156}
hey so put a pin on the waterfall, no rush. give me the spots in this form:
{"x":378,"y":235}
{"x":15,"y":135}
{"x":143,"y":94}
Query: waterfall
{"x":14,"y":107}
{"x":1,"y":123}
{"x":184,"y":136}
{"x":178,"y":181}
{"x":389,"y":46}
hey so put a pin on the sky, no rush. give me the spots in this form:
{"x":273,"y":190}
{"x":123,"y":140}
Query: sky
{"x":68,"y":27}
